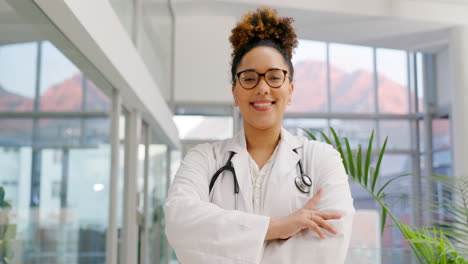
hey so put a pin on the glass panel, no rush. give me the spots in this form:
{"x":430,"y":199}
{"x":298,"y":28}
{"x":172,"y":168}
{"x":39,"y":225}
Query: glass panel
{"x":440,"y":133}
{"x":60,"y":133}
{"x":15,"y":132}
{"x":18,"y":65}
{"x":88,"y":199}
{"x":422,"y":135}
{"x":392,"y":246}
{"x":15,"y":164}
{"x":310,"y":78}
{"x":96,"y":131}
{"x":442,"y":162}
{"x":420,"y":79}
{"x":61,"y":85}
{"x":357,"y":131}
{"x":398,"y":133}
{"x":204,"y":127}
{"x":124,"y":9}
{"x":57,"y":196}
{"x":95,"y":99}
{"x":157,"y":191}
{"x":296,"y":126}
{"x":352,"y":79}
{"x":392,"y":76}
{"x":398,"y":199}
{"x":156,"y":45}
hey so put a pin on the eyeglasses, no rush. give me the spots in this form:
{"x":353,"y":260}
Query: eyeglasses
{"x":248,"y":79}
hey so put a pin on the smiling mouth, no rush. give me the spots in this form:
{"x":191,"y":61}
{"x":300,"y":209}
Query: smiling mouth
{"x":262,"y":106}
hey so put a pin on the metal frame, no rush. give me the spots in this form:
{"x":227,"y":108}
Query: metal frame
{"x":144,"y":224}
{"x":54,"y":114}
{"x":112,"y":230}
{"x":429,"y":106}
{"x":130,"y":226}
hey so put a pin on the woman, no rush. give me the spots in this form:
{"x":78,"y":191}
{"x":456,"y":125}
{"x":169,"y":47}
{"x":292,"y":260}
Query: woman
{"x":268,"y":212}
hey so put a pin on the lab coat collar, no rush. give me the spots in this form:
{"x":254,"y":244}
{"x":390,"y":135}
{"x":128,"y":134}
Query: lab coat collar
{"x":286,"y":160}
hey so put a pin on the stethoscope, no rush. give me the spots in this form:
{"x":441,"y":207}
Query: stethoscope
{"x":302,"y":181}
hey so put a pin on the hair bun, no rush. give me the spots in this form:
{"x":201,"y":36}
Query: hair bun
{"x":262,"y":24}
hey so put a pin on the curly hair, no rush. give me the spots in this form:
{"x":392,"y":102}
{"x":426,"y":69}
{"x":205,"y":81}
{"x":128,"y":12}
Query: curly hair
{"x":263,"y":28}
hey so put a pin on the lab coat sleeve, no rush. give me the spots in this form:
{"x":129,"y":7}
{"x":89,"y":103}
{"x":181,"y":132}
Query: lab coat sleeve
{"x":332,"y":178}
{"x":202,"y":232}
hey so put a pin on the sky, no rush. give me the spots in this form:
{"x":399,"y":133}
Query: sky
{"x":18,"y":66}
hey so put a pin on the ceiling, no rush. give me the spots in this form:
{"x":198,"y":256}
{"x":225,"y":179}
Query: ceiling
{"x":379,"y":31}
{"x":13,"y":29}
{"x":314,"y":25}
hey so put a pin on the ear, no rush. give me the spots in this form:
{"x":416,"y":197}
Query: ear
{"x":291,"y":88}
{"x":233,"y":89}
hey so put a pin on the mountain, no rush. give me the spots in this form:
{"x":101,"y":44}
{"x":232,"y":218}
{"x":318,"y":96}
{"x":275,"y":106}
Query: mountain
{"x":350,"y":92}
{"x":13,"y":102}
{"x":62,"y":97}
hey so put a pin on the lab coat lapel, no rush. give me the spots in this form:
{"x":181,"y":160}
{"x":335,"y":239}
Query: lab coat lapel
{"x":240,"y":162}
{"x":285,"y":162}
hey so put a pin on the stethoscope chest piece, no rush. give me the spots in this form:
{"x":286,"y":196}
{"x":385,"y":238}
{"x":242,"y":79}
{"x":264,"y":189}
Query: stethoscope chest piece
{"x":303,"y":183}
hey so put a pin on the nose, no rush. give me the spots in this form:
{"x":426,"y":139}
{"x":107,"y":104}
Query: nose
{"x":262,"y":86}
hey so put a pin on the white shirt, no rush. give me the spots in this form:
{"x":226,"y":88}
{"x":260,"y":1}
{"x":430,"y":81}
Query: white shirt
{"x":259,"y":178}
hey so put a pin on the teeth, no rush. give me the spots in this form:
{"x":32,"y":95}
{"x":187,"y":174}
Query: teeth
{"x":265,"y":104}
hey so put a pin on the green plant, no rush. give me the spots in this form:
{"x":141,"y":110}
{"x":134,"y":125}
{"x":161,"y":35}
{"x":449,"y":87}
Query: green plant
{"x":452,"y":209}
{"x":7,"y":230}
{"x":429,"y":245}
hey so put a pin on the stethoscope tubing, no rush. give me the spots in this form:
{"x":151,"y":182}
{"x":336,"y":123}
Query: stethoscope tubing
{"x":302,"y":181}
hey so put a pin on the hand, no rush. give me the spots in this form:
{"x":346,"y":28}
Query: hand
{"x":306,"y":217}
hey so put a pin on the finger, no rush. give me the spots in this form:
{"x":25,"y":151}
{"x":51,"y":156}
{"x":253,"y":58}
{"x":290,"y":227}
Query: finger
{"x":322,"y":223}
{"x":313,"y":226}
{"x":327,"y":215}
{"x":314,"y":200}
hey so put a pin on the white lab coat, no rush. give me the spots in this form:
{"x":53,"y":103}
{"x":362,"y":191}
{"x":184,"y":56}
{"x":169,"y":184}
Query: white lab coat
{"x":204,"y":228}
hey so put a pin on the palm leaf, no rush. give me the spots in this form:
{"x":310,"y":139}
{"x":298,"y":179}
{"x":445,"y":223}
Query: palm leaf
{"x":359,"y":162}
{"x":379,"y":161}
{"x":368,"y":157}
{"x":340,"y":149}
{"x":310,"y":134}
{"x":326,"y":138}
{"x":390,"y":181}
{"x":383,"y":220}
{"x":351,"y":161}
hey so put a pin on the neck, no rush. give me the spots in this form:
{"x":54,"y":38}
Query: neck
{"x":262,"y":138}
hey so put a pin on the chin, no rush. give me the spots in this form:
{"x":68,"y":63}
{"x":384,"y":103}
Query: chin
{"x":262,"y":124}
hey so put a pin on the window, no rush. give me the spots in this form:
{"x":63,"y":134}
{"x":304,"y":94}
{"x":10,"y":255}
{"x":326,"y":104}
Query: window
{"x":310,"y":78}
{"x":352,"y":79}
{"x":357,"y":90}
{"x":18,"y":66}
{"x":55,"y":170}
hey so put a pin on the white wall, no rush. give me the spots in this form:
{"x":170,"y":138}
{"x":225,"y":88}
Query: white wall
{"x":202,"y":59}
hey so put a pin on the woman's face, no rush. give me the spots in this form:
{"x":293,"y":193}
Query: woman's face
{"x":262,"y":107}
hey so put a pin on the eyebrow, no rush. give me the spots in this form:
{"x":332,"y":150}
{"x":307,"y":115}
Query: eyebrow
{"x":253,"y":70}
